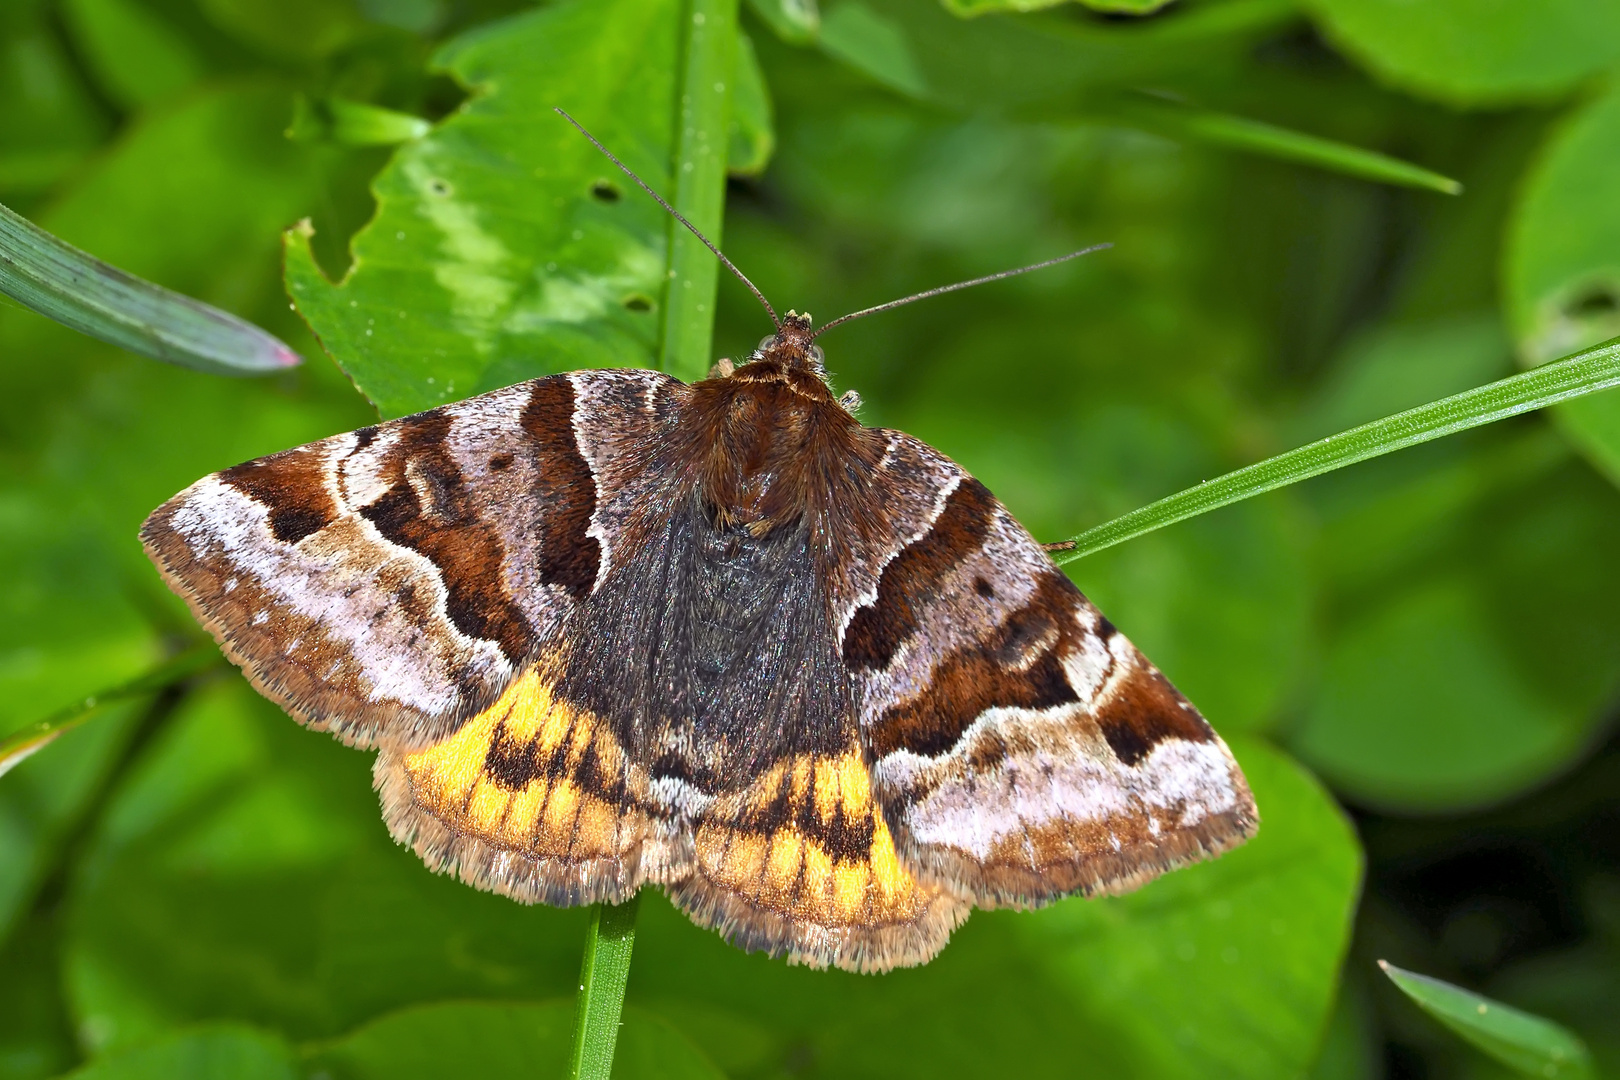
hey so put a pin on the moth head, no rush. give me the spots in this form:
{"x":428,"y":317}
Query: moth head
{"x":793,"y":346}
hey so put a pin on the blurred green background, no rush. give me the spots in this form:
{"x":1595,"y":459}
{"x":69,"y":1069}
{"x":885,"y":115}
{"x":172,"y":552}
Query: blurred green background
{"x":1416,"y":659}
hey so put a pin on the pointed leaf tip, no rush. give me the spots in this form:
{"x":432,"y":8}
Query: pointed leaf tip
{"x":57,"y":280}
{"x":1521,"y":1040}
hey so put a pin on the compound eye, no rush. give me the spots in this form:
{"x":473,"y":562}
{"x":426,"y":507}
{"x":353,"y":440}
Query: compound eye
{"x":817,"y":355}
{"x":765,"y":342}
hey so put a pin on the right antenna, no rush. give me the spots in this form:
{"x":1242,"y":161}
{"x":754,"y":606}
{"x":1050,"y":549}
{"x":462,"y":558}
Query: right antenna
{"x":959,"y":285}
{"x":676,"y":214}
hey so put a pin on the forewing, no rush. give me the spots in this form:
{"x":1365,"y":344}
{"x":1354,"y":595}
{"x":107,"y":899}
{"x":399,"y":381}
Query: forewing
{"x":1022,"y":748}
{"x":388,"y":583}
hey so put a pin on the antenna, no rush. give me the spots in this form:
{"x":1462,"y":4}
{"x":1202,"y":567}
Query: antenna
{"x":676,"y":214}
{"x":959,"y":285}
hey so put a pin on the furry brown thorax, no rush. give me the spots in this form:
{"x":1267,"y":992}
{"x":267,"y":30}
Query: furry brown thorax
{"x":776,"y":437}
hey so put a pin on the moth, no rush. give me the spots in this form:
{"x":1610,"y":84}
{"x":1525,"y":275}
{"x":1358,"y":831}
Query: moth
{"x":606,"y":629}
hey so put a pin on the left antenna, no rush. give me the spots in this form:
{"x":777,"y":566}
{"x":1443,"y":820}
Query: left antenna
{"x":676,"y":214}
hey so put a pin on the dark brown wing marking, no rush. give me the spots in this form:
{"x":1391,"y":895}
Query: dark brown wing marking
{"x":569,"y":555}
{"x":878,"y":629}
{"x":429,"y":508}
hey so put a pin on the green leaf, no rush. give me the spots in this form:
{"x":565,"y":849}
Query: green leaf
{"x":1000,"y":62}
{"x":504,"y":245}
{"x":225,"y":885}
{"x":36,"y":1032}
{"x":222,"y":1052}
{"x":1186,"y":122}
{"x":794,"y":21}
{"x":1533,"y":1046}
{"x":708,"y":70}
{"x":79,"y":291}
{"x":352,"y":123}
{"x":49,"y":121}
{"x":1225,"y":968}
{"x":1561,"y":271}
{"x":43,"y":799}
{"x":875,"y":44}
{"x":136,"y":55}
{"x":753,"y":133}
{"x":1584,"y":373}
{"x":288,"y":29}
{"x":1431,"y":696}
{"x":1476,"y":52}
{"x":498,"y":1041}
{"x":970,"y":8}
{"x":610,"y":940}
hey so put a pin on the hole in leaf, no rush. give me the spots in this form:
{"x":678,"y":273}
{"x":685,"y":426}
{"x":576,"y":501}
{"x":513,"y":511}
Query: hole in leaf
{"x":637,"y":302}
{"x":604,"y":191}
{"x":1596,"y":302}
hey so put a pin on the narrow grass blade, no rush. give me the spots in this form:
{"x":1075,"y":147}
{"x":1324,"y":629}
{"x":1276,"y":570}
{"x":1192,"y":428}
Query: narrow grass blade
{"x":702,"y":142}
{"x":1533,"y":1046}
{"x":35,"y":737}
{"x":602,"y":977}
{"x":1181,"y":121}
{"x":77,"y":290}
{"x":1584,"y":373}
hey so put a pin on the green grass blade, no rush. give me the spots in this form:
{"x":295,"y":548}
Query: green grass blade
{"x":36,"y":736}
{"x":1188,"y":122}
{"x":602,"y":976}
{"x":1583,"y":373}
{"x":702,"y":143}
{"x":1533,"y":1046}
{"x":63,"y":283}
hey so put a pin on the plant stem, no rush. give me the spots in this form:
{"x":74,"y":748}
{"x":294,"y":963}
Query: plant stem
{"x":1586,"y":372}
{"x":702,"y":136}
{"x":602,"y":977}
{"x":708,"y":38}
{"x":36,"y":736}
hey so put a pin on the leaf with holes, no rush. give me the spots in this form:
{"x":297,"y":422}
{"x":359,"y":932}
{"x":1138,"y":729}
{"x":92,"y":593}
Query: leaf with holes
{"x":1561,"y":273}
{"x":505,"y":246}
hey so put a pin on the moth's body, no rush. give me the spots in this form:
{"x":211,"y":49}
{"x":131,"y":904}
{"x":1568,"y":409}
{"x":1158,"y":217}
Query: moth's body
{"x":607,"y":629}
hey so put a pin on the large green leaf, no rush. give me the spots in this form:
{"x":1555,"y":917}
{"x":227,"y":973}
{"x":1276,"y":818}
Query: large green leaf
{"x":1561,"y":271}
{"x":505,"y":246}
{"x":231,"y":875}
{"x":222,"y":1052}
{"x":1226,"y":968}
{"x":1477,"y":52}
{"x":1030,"y":61}
{"x":244,"y":873}
{"x":498,"y":1041}
{"x":1432,"y":697}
